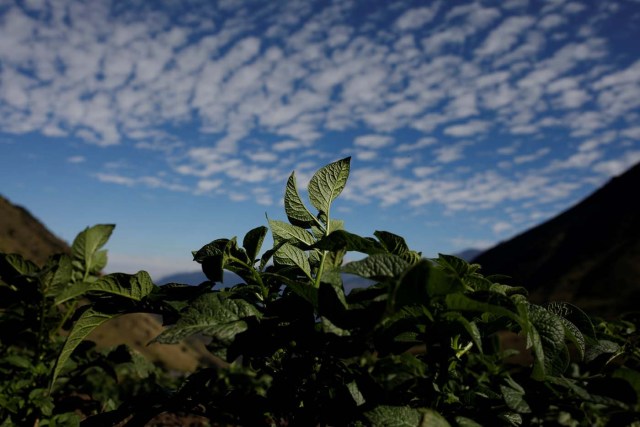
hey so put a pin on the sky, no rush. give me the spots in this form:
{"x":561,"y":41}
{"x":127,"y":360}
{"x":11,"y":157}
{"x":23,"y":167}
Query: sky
{"x":467,"y":122}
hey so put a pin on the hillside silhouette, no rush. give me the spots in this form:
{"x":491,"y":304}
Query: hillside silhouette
{"x":22,"y":233}
{"x":588,"y":255}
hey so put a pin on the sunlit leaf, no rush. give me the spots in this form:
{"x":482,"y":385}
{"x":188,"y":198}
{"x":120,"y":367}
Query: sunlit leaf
{"x":404,"y":416}
{"x":88,"y":321}
{"x":296,"y":211}
{"x":85,"y":248}
{"x":290,"y":233}
{"x":58,"y":274}
{"x":377,"y":267}
{"x":132,"y":286}
{"x":211,"y":314}
{"x":340,"y":239}
{"x":327,"y":184}
{"x":252,"y":242}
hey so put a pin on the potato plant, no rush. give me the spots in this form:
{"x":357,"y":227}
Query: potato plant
{"x":36,"y":307}
{"x":418,"y":347}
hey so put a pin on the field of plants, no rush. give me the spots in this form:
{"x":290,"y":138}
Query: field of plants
{"x":419,"y":347}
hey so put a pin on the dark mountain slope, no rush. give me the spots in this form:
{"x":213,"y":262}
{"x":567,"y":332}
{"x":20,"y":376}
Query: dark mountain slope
{"x":589,"y":255}
{"x":21,"y":233}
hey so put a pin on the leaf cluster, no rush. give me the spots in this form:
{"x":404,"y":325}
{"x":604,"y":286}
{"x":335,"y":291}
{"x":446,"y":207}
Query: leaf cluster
{"x":426,"y":343}
{"x":37,"y":306}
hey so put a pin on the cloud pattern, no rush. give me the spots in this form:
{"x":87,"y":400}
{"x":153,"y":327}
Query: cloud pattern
{"x":469,"y":106}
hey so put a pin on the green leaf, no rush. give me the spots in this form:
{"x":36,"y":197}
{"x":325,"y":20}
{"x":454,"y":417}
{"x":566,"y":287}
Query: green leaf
{"x":303,"y":290}
{"x":211,"y":314}
{"x":551,"y":332}
{"x":290,"y":255}
{"x":574,"y":335}
{"x":252,"y":242}
{"x":17,"y":361}
{"x":466,"y":422}
{"x":327,"y":184}
{"x":134,"y":287}
{"x":283,"y":232}
{"x":295,"y":209}
{"x":396,"y":245}
{"x":487,"y":302}
{"x":512,"y":418}
{"x":71,"y":292}
{"x":599,"y":348}
{"x":499,"y":288}
{"x":570,"y":384}
{"x":58,"y":274}
{"x":223,"y":254}
{"x":453,"y":264}
{"x":470,"y":327}
{"x":575,"y":315}
{"x":85,"y":248}
{"x":631,"y":376}
{"x":514,"y":398}
{"x":404,"y":416}
{"x":377,"y":267}
{"x":328,"y":327}
{"x":88,"y":321}
{"x":420,"y":283}
{"x":12,"y":265}
{"x":343,"y":240}
{"x":356,"y":394}
{"x":40,"y":398}
{"x":212,"y":258}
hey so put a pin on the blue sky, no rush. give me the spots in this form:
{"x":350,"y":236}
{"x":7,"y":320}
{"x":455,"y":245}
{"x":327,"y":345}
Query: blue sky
{"x":467,"y":122}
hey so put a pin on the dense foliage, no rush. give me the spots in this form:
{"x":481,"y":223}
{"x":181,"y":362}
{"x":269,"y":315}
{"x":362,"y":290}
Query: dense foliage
{"x":420,"y":346}
{"x":36,"y":307}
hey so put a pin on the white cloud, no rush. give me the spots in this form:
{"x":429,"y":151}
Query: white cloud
{"x":618,"y":166}
{"x":115,"y":179}
{"x":619,"y":91}
{"x":501,"y":226}
{"x":421,"y":143}
{"x":450,"y":36}
{"x":373,"y":141}
{"x":593,"y":143}
{"x":579,"y":160}
{"x":366,"y":155}
{"x":574,"y":7}
{"x":287,"y":145}
{"x":532,"y":157}
{"x":551,"y":21}
{"x":145,"y":181}
{"x":262,"y":156}
{"x":574,"y":98}
{"x":464,"y":243}
{"x":448,"y":154}
{"x":423,"y":171}
{"x":416,"y":18}
{"x":206,"y":185}
{"x":76,"y":159}
{"x":474,"y":127}
{"x":401,"y":162}
{"x":267,"y":103}
{"x":515,"y":4}
{"x":505,"y":36}
{"x":632,"y":132}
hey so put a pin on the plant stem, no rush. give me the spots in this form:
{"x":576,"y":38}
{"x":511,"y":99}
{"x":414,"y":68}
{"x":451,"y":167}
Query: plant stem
{"x":67,"y":313}
{"x":327,"y":230}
